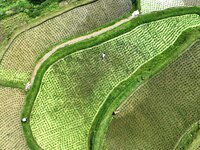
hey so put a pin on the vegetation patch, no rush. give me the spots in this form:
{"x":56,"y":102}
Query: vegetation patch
{"x":31,"y":8}
{"x":12,"y":76}
{"x":73,"y":89}
{"x":11,"y":133}
{"x":159,"y":112}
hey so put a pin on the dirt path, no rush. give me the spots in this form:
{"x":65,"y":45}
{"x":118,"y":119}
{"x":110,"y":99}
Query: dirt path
{"x":94,"y":34}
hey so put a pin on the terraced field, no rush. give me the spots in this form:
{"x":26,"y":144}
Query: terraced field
{"x":158,"y":113}
{"x":148,"y":6}
{"x":74,"y":87}
{"x":11,"y":102}
{"x":29,"y":45}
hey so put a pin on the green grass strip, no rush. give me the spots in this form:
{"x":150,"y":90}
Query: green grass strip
{"x":31,"y":95}
{"x":19,"y":85}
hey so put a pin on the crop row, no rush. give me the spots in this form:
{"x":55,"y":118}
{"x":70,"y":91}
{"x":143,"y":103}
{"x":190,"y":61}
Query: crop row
{"x":148,"y":6}
{"x":157,"y":114}
{"x":25,"y":49}
{"x":11,"y":133}
{"x":74,"y":87}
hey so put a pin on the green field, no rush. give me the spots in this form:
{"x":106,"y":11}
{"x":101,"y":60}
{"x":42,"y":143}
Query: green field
{"x":73,"y":88}
{"x":147,"y":6}
{"x":29,"y":45}
{"x":13,"y":7}
{"x":11,"y":133}
{"x":159,"y":112}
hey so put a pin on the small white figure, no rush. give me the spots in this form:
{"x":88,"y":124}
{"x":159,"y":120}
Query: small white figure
{"x":24,"y":120}
{"x":28,"y":86}
{"x":103,"y":56}
{"x":116,"y":112}
{"x":135,"y":13}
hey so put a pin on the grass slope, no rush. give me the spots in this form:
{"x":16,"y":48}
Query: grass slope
{"x":29,"y":45}
{"x":83,"y":81}
{"x":157,"y":114}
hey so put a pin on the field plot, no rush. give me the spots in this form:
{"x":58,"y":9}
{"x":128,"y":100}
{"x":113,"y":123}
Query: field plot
{"x":11,"y":133}
{"x":74,"y":87}
{"x":157,"y":114}
{"x":148,"y":6}
{"x":30,"y":44}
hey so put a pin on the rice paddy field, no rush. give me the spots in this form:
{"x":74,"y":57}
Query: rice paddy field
{"x":29,"y":45}
{"x":148,"y":6}
{"x":11,"y":133}
{"x":74,"y":88}
{"x":159,"y":112}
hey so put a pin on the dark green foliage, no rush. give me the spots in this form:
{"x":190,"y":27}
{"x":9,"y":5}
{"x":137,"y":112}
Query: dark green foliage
{"x":33,"y":8}
{"x":36,"y":2}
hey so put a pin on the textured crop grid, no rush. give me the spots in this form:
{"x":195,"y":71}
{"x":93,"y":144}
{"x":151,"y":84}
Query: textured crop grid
{"x":74,"y":87}
{"x":30,"y":44}
{"x":148,"y":6}
{"x":11,"y":102}
{"x":160,"y":111}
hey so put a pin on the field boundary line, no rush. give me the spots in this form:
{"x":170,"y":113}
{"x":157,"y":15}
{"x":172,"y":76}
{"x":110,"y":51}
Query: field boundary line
{"x":12,"y":84}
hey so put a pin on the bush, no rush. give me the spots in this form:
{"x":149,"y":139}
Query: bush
{"x":36,"y":2}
